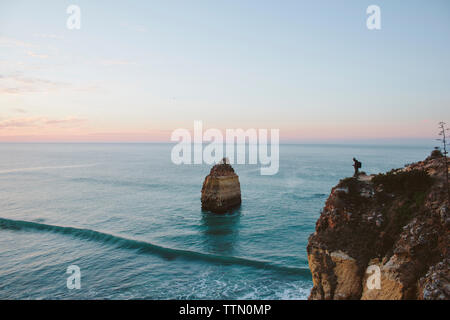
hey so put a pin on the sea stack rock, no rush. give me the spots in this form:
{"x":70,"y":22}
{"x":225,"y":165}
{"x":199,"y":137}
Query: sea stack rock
{"x":221,"y":189}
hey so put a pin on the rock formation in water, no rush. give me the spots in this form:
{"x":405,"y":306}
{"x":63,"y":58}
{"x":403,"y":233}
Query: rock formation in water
{"x":395,"y":223}
{"x":221,"y":189}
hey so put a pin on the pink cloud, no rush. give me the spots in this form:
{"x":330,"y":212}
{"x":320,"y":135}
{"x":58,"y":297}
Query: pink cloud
{"x":10,"y":42}
{"x":17,"y":84}
{"x":70,"y":120}
{"x":40,"y":122}
{"x":18,"y":123}
{"x":79,"y":136}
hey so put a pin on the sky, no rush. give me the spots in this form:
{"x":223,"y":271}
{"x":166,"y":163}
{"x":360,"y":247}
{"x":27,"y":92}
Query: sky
{"x":137,"y":70}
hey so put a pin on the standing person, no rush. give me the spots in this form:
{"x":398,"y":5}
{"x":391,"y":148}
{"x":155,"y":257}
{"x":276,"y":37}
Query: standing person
{"x":357,"y":165}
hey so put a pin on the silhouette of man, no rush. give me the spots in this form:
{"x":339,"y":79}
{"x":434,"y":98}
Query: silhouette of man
{"x":357,"y":165}
{"x":224,"y":160}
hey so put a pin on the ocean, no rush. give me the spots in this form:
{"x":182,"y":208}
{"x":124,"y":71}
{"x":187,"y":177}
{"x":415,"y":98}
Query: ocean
{"x":131,"y":220}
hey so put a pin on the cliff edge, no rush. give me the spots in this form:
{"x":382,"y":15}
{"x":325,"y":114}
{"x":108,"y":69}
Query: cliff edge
{"x":384,"y":236}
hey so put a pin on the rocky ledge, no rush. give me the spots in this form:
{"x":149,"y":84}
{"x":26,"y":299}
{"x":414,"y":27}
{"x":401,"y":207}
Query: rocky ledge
{"x":395,"y":223}
{"x":221,"y":189}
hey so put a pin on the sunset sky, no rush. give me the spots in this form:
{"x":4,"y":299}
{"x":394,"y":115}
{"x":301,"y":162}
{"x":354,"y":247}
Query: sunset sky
{"x":137,"y":70}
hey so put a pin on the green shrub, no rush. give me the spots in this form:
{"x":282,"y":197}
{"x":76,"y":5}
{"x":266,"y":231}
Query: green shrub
{"x":404,"y":182}
{"x":354,"y":187}
{"x":403,"y":216}
{"x":419,"y":198}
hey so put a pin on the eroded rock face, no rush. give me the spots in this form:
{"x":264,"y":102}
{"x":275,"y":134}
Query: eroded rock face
{"x":399,"y":227}
{"x":221,"y":189}
{"x":435,"y":284}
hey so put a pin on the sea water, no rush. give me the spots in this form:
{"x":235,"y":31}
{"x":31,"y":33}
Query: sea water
{"x":131,"y":220}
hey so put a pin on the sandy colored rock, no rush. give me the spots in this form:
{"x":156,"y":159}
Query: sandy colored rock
{"x":348,"y":276}
{"x":391,"y":286}
{"x":221,"y":189}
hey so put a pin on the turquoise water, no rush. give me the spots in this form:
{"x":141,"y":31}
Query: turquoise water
{"x":131,"y":220}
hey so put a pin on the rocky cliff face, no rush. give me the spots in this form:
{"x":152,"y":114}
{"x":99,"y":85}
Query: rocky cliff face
{"x":221,"y":189}
{"x":391,"y":227}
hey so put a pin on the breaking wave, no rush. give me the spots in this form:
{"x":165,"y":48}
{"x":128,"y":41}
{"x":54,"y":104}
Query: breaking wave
{"x":149,"y":248}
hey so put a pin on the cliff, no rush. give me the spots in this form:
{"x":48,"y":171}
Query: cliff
{"x":384,"y":236}
{"x":221,"y":189}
